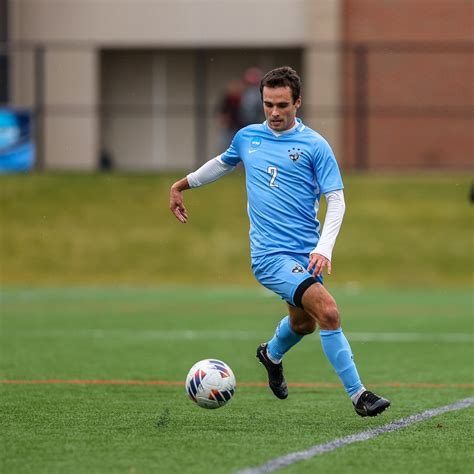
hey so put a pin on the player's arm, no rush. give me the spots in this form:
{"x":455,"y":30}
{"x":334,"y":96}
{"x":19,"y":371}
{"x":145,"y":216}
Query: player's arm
{"x":321,"y":256}
{"x":207,"y":173}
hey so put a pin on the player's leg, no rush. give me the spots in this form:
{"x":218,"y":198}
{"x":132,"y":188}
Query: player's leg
{"x":321,"y":306}
{"x":301,"y":321}
{"x":290,"y":330}
{"x":284,"y":275}
{"x":319,"y":303}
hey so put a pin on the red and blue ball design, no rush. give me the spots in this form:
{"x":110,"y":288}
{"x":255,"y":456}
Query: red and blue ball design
{"x":210,"y":383}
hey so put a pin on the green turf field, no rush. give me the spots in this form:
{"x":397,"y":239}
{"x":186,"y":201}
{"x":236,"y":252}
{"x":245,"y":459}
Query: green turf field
{"x":398,"y":337}
{"x":411,"y":231}
{"x":100,"y":283}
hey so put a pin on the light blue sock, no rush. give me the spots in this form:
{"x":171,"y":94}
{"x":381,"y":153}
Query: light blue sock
{"x":338,"y":351}
{"x":283,"y":340}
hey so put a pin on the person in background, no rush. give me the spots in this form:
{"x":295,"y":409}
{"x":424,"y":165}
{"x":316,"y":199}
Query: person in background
{"x":251,"y":110}
{"x":229,"y":112}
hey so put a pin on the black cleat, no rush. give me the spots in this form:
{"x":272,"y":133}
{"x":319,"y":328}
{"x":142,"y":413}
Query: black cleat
{"x":370,"y":404}
{"x":276,"y":381}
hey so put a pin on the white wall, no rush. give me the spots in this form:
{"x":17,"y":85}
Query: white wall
{"x":141,"y":91}
{"x":322,"y":71}
{"x":72,"y":77}
{"x":180,"y":23}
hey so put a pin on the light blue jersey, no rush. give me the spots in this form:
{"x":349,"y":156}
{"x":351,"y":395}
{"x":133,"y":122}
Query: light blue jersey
{"x":285,"y":176}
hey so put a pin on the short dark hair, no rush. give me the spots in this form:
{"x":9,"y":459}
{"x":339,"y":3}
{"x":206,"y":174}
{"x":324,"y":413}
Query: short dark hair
{"x":284,"y":76}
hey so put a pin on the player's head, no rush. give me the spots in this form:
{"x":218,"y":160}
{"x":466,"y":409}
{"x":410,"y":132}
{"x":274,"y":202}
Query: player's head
{"x":280,"y":89}
{"x":284,"y":76}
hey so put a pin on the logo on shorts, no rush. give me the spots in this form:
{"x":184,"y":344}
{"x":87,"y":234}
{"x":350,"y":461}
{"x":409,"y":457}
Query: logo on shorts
{"x":297,"y":269}
{"x":294,"y":154}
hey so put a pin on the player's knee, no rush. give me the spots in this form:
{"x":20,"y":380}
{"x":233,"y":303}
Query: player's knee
{"x":305,"y":327}
{"x":329,"y":317}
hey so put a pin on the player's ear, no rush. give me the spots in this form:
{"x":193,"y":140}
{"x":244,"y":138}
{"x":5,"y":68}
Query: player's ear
{"x":298,"y":102}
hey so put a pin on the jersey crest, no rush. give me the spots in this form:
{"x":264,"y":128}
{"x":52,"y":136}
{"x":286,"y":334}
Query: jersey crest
{"x":294,"y":154}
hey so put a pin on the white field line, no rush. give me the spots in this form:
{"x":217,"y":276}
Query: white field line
{"x":180,"y":335}
{"x":291,"y":458}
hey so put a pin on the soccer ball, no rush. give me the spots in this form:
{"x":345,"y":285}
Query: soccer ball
{"x":210,"y":383}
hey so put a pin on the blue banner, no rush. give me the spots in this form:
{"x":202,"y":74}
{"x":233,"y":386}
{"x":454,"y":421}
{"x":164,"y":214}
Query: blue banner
{"x":17,"y":151}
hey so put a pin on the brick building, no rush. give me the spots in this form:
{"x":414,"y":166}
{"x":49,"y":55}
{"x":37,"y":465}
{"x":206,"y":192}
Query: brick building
{"x":417,"y":61}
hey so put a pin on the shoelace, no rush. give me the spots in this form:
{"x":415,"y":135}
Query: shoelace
{"x":370,"y":397}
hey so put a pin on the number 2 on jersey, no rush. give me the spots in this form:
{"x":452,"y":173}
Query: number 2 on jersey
{"x":273,"y":171}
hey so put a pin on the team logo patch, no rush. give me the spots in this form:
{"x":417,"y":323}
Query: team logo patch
{"x":297,"y":269}
{"x":255,"y":142}
{"x":294,"y":154}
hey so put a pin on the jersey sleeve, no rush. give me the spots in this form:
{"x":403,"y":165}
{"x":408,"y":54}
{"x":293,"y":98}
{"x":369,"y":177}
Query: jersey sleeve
{"x":327,"y":170}
{"x":231,"y":155}
{"x":209,"y":172}
{"x":332,"y":223}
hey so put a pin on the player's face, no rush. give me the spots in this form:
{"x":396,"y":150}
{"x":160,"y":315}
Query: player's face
{"x":280,"y":110}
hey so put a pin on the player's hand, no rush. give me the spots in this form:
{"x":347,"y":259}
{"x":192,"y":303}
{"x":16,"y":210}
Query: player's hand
{"x":317,"y":263}
{"x":177,"y":206}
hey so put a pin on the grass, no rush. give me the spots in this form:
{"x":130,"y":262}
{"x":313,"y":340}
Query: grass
{"x":100,"y":282}
{"x":116,"y":229}
{"x":153,"y":334}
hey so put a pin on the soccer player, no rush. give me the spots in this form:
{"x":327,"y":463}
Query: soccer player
{"x":288,"y":166}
